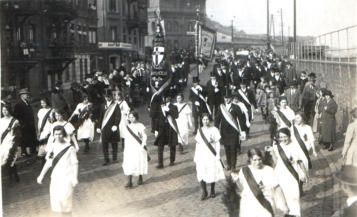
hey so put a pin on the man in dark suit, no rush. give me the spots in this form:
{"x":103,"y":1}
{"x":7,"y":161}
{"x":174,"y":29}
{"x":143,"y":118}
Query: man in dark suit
{"x":348,"y":179}
{"x":58,"y":100}
{"x":231,"y":121}
{"x":308,"y":98}
{"x":24,"y":113}
{"x":293,"y":96}
{"x":199,"y":103}
{"x":166,"y":130}
{"x":108,"y":124}
{"x":214,"y":90}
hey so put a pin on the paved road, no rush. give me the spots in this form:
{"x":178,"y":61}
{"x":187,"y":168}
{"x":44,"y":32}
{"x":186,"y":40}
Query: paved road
{"x":171,"y":192}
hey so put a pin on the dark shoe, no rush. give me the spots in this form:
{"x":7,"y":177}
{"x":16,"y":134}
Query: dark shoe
{"x":204,"y":195}
{"x":213,"y":194}
{"x":115,"y":161}
{"x":129,"y":185}
{"x":159,"y":166}
{"x":172,"y":164}
{"x":330,"y":148}
{"x":140,"y":180}
{"x":106,"y":163}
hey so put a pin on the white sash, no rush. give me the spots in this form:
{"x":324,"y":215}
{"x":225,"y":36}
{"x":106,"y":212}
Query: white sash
{"x":162,"y":88}
{"x":247,"y":100}
{"x":108,"y":113}
{"x":204,"y":100}
{"x":229,"y":118}
{"x":173,"y":124}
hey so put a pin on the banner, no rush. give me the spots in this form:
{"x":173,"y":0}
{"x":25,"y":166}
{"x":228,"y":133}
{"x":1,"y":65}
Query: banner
{"x":206,"y":42}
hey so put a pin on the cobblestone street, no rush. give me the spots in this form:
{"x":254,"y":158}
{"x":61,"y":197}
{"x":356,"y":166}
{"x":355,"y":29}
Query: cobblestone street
{"x":171,"y":192}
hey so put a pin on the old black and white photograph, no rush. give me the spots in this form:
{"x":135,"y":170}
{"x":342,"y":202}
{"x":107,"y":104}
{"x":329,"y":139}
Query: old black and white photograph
{"x":178,"y":108}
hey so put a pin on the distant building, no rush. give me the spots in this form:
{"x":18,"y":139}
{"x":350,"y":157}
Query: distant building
{"x":46,"y":40}
{"x":121,"y":31}
{"x":179,"y":17}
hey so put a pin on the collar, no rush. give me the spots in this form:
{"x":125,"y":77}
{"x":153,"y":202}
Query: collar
{"x":351,"y":200}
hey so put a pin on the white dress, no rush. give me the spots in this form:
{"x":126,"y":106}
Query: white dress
{"x":287,"y":181}
{"x":61,"y":188}
{"x":86,"y":130}
{"x":135,"y":157}
{"x":8,"y":143}
{"x":307,"y":136}
{"x":46,"y":131}
{"x":184,"y":122}
{"x":208,"y":166}
{"x":289,"y":114}
{"x":68,"y":127}
{"x":124,"y":109}
{"x":249,"y":205}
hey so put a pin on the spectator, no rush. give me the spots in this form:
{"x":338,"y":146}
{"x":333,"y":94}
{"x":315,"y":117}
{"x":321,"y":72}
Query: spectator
{"x":349,"y":152}
{"x":58,"y":100}
{"x":308,"y":98}
{"x":293,"y":96}
{"x":328,"y":121}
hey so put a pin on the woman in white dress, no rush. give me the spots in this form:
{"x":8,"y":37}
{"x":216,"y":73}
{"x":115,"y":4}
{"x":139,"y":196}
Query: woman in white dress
{"x":283,"y":115}
{"x":60,"y":121}
{"x":64,"y":177}
{"x":9,"y":133}
{"x":184,"y":121}
{"x":84,"y":115}
{"x":135,"y":159}
{"x":209,"y":167}
{"x":124,"y":109}
{"x":256,"y":179}
{"x":45,"y":119}
{"x":290,"y":169}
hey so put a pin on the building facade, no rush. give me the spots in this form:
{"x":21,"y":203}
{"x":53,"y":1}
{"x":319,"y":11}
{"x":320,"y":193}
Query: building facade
{"x":179,"y":17}
{"x":121,"y":31}
{"x":43,"y":41}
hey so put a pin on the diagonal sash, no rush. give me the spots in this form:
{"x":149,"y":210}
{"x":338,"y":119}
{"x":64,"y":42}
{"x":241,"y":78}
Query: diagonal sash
{"x":8,"y":129}
{"x":287,"y":163}
{"x":254,"y":187}
{"x":245,"y":98}
{"x":302,"y":146}
{"x":284,"y":118}
{"x":136,"y":137}
{"x":174,"y":126}
{"x":162,"y":88}
{"x":209,"y":145}
{"x":182,"y":108}
{"x":108,"y":113}
{"x":44,"y":120}
{"x":229,"y":118}
{"x":58,"y":157}
{"x":201,"y":97}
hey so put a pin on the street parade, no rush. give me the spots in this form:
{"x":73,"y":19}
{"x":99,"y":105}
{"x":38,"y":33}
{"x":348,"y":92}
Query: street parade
{"x":242,"y":129}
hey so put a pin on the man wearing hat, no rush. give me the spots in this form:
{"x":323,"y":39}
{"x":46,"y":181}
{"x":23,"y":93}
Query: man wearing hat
{"x":24,"y":113}
{"x":58,"y":100}
{"x":293,"y":96}
{"x":232,"y":124}
{"x":348,"y":179}
{"x":277,"y":79}
{"x":289,"y":73}
{"x":108,"y":124}
{"x":308,"y":98}
{"x":166,"y":130}
{"x":214,"y":90}
{"x":199,"y":102}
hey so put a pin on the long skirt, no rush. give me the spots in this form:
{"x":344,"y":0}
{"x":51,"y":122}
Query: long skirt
{"x":61,"y":192}
{"x":135,"y":160}
{"x":86,"y":130}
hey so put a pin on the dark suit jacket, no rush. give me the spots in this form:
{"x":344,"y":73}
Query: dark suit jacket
{"x":107,"y":134}
{"x":351,"y":211}
{"x":293,"y":99}
{"x":166,"y":134}
{"x":193,"y":98}
{"x":230,"y":136}
{"x":213,"y":98}
{"x":24,"y":113}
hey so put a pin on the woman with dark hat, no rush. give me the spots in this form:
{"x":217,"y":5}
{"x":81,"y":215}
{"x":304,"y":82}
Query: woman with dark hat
{"x":9,"y":137}
{"x":328,"y":121}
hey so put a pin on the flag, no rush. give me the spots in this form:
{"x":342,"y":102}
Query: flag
{"x":206,"y":42}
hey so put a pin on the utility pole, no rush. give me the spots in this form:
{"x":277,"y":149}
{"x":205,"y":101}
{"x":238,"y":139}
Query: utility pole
{"x":197,"y":40}
{"x":268,"y":37}
{"x":282,"y":26}
{"x":232,"y":31}
{"x":294,"y":29}
{"x":272,"y":26}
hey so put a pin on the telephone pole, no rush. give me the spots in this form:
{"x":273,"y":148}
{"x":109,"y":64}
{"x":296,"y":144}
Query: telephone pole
{"x":294,"y":29}
{"x":282,"y":26}
{"x":268,"y":37}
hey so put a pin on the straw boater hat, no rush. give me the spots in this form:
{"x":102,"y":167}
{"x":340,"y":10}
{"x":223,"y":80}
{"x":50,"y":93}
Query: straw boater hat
{"x":24,"y":91}
{"x":347,"y":175}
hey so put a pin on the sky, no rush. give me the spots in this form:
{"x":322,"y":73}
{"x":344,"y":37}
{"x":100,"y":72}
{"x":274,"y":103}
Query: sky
{"x":314,"y":17}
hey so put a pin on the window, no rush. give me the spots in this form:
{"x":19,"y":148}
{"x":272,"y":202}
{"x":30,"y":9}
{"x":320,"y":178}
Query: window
{"x":19,"y":33}
{"x":86,"y":66}
{"x":113,"y":33}
{"x":92,"y":36}
{"x":32,"y":33}
{"x":112,"y":5}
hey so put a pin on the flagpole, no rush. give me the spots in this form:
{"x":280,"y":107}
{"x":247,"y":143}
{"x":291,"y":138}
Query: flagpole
{"x":197,"y":40}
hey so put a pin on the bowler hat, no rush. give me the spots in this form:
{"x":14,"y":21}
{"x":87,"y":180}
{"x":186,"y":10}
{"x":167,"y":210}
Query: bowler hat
{"x":312,"y":75}
{"x":328,"y":93}
{"x":24,"y":91}
{"x":347,"y":175}
{"x":108,"y":92}
{"x":195,"y":79}
{"x":228,"y":94}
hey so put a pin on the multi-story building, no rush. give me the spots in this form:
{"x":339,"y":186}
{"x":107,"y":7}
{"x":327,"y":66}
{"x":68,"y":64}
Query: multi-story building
{"x":121,"y":31}
{"x":41,"y":38}
{"x":179,"y":17}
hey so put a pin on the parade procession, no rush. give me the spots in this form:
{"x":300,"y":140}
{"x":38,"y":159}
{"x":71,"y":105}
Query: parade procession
{"x":154,"y":108}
